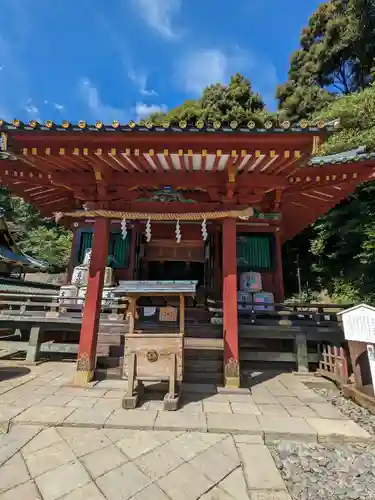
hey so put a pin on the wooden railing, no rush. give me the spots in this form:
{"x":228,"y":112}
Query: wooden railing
{"x":303,"y":328}
{"x":27,"y":319}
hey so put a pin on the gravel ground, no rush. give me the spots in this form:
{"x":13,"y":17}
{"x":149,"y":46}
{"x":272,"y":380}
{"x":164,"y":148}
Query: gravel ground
{"x":322,"y":472}
{"x":350,"y":409}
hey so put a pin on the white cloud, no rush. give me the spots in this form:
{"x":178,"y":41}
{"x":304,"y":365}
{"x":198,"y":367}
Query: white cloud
{"x":59,"y":107}
{"x":143,"y":110}
{"x":201,"y":68}
{"x":55,"y":105}
{"x":32,"y":110}
{"x":158,"y":14}
{"x":97,"y":109}
{"x":140,"y":80}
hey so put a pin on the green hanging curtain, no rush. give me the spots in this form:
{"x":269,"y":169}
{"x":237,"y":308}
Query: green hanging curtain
{"x":254,"y":252}
{"x":86,"y":242}
{"x":120,"y":249}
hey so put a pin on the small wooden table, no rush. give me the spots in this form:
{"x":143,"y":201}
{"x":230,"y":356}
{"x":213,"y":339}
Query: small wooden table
{"x":159,"y":355}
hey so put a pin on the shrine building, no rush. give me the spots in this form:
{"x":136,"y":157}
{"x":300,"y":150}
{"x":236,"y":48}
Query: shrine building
{"x":178,"y":202}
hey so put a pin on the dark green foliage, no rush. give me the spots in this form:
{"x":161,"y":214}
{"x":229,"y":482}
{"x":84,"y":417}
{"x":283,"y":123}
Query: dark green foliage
{"x":336,"y":57}
{"x":233,"y":102}
{"x":38,"y":237}
{"x":331,"y":77}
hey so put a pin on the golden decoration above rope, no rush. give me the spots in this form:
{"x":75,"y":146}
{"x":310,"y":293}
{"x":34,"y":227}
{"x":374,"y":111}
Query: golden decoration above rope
{"x":192,"y":216}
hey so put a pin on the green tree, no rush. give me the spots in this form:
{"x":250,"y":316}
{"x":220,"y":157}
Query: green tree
{"x":37,"y":236}
{"x":235,"y":101}
{"x":341,"y":252}
{"x":356,"y":113}
{"x":51,"y":244}
{"x":336,"y":57}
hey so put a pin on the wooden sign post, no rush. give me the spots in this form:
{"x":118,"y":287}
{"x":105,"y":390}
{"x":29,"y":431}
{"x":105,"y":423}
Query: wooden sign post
{"x":359,"y":331}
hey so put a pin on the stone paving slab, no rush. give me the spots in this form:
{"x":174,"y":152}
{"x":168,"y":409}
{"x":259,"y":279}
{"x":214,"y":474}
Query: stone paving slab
{"x":88,"y":417}
{"x":338,"y":430}
{"x":259,"y":468}
{"x":43,"y":415}
{"x":181,"y":421}
{"x":242,"y":424}
{"x":291,"y":428}
{"x":132,"y":419}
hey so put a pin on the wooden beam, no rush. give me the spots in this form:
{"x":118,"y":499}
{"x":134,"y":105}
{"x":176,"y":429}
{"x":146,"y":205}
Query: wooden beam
{"x":184,"y":179}
{"x":144,"y":141}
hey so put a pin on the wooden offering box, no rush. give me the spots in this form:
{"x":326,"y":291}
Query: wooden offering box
{"x":155,"y":355}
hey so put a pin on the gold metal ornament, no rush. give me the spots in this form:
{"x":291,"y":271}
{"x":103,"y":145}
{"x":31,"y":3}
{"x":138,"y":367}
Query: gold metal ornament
{"x":149,"y":124}
{"x":303,"y":123}
{"x":321,"y":124}
{"x":199,"y":124}
{"x":152,"y":356}
{"x":33,"y":123}
{"x":115,"y":124}
{"x":217,"y":124}
{"x":81,"y":124}
{"x":285,"y":125}
{"x":65,"y":124}
{"x":16,"y":123}
{"x":251,"y":125}
{"x":132,"y":124}
{"x":49,"y":123}
{"x":166,"y":124}
{"x":268,"y":125}
{"x":99,"y":124}
{"x":233,"y":124}
{"x":183,"y":124}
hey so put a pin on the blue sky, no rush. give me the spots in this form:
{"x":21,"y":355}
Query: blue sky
{"x":121,"y":59}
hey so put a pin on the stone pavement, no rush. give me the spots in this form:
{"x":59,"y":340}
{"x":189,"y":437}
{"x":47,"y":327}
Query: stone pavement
{"x":73,"y":463}
{"x":279,"y":408}
{"x":62,"y":442}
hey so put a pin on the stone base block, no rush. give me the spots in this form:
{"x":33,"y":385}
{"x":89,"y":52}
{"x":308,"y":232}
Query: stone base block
{"x":130,"y":402}
{"x":171,"y":402}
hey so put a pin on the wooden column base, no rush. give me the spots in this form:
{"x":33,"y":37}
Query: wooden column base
{"x":82,"y":378}
{"x":232,"y":382}
{"x":232,"y":377}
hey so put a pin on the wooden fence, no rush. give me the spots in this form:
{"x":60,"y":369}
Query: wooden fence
{"x":334,"y":364}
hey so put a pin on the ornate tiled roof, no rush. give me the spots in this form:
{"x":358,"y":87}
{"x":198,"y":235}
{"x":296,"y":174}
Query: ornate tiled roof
{"x":270,"y":126}
{"x":353,"y":155}
{"x":12,"y":255}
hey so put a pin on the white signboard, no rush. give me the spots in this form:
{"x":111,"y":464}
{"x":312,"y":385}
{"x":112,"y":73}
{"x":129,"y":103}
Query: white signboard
{"x":359,"y":323}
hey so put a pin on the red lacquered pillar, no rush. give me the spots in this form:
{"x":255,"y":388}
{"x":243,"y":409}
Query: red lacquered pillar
{"x":91,"y":314}
{"x":230,"y":313}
